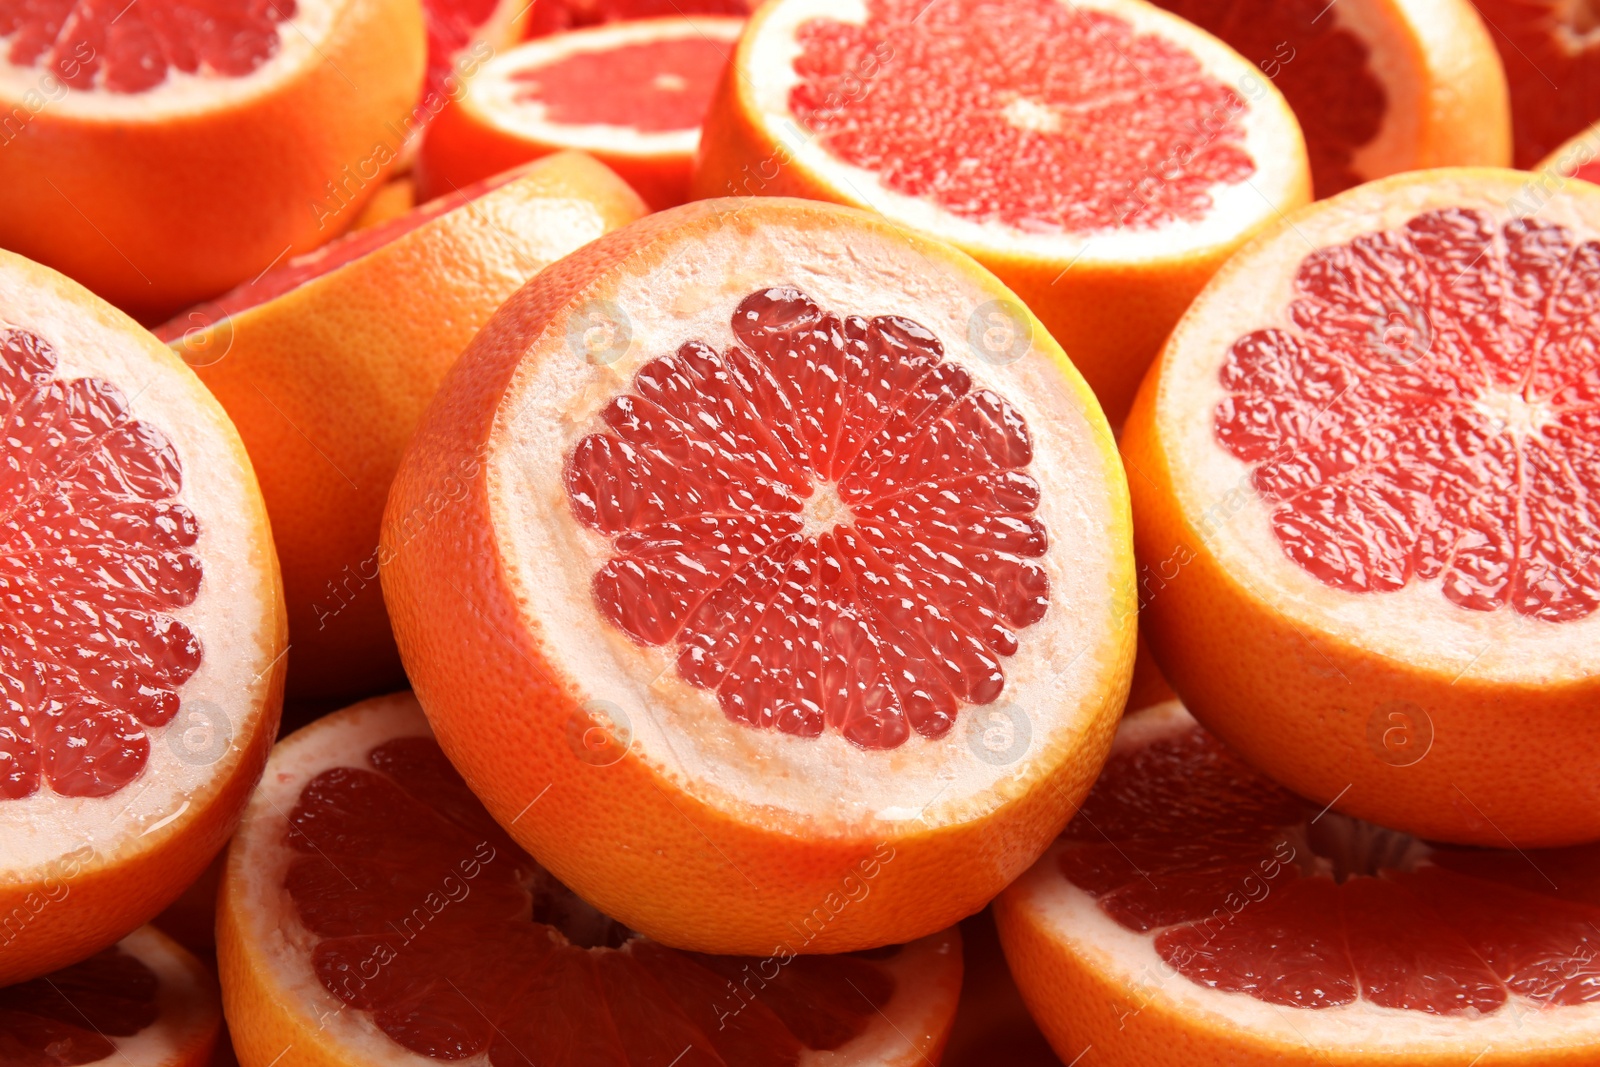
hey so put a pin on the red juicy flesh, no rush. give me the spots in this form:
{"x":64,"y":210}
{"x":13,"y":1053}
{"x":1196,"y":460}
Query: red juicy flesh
{"x":1552,"y":59}
{"x":553,"y":16}
{"x":65,"y":1019}
{"x":1434,"y":413}
{"x":1320,"y":68}
{"x":130,"y":48}
{"x":453,"y":940}
{"x":93,"y":553}
{"x":885,"y":621}
{"x":654,"y":86}
{"x":1589,"y":172}
{"x":451,"y":26}
{"x":918,"y":94}
{"x":1184,"y":841}
{"x":325,"y":260}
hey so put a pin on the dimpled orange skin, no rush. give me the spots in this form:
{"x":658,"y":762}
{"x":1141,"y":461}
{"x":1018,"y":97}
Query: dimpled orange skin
{"x":625,"y":837}
{"x":1110,"y":317}
{"x":327,"y":381}
{"x":1237,"y":660}
{"x":154,"y":214}
{"x":94,"y":900}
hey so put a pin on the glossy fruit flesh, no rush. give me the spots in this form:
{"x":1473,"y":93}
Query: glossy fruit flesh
{"x":1037,"y":115}
{"x":1552,"y":58}
{"x":65,"y":1019}
{"x":131,"y":48}
{"x":830,"y":522}
{"x":1433,"y":414}
{"x":1248,"y":889}
{"x":455,"y":943}
{"x":1320,"y":67}
{"x":553,"y":16}
{"x":653,"y":87}
{"x":94,"y":554}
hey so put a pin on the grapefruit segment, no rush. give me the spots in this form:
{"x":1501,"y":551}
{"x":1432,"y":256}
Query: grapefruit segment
{"x":1030,"y":136}
{"x":321,"y":938}
{"x":162,"y":153}
{"x":1552,"y":61}
{"x":141,"y":627}
{"x":325,"y":377}
{"x":1389,"y":506}
{"x":783,"y":563}
{"x":632,"y":93}
{"x":144,"y":1002}
{"x":1281,"y":932}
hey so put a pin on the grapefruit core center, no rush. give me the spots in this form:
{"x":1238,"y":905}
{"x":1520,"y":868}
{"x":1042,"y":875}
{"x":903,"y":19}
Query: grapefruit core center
{"x":1038,"y":115}
{"x":94,"y":554}
{"x":829,"y":522}
{"x":1246,"y":888}
{"x":666,"y":86}
{"x":120,"y":47}
{"x":1431,"y":412}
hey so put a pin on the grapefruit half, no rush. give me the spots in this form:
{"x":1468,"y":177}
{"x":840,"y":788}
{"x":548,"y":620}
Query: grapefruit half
{"x":373,"y":913}
{"x":725,"y":549}
{"x":1197,"y":913}
{"x":144,"y":1002}
{"x":1577,"y":157}
{"x":141,"y":624}
{"x":1102,"y":158}
{"x":326,"y":363}
{"x":631,"y":93}
{"x":1379,"y":86}
{"x":1551,"y":52}
{"x":1364,"y":478}
{"x":162,"y":152}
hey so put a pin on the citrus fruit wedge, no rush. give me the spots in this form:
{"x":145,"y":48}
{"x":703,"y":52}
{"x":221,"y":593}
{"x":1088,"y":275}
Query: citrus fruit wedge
{"x":164,"y":152}
{"x":1551,"y":54}
{"x":724,"y":550}
{"x":1577,"y":157}
{"x":631,"y":93}
{"x":141,"y":624}
{"x":1102,"y":158}
{"x":461,"y":35}
{"x":373,"y":913}
{"x":1379,"y":86}
{"x":144,"y":1002}
{"x":1362,"y":479}
{"x":1197,"y":913}
{"x":326,"y":363}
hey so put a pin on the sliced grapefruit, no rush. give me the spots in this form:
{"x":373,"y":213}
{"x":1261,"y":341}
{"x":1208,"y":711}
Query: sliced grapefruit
{"x":1379,"y":86}
{"x":1197,"y":913}
{"x":1369,"y":460}
{"x":326,"y":363}
{"x":1578,"y":157}
{"x":725,"y":543}
{"x":373,"y":913}
{"x":632,"y":93}
{"x":144,"y":1002}
{"x":141,"y":624}
{"x":162,"y":152}
{"x":556,"y":16}
{"x":1102,"y":158}
{"x":462,"y":35}
{"x":1551,"y":52}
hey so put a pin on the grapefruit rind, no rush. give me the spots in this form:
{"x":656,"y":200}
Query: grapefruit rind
{"x":781,"y":811}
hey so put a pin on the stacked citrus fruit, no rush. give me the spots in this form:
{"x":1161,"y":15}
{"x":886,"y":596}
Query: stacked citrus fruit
{"x":847,"y":533}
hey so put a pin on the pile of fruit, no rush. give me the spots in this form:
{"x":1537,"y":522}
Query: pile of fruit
{"x":831,"y":532}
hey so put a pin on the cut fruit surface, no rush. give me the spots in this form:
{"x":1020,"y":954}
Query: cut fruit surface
{"x":556,"y":16}
{"x":144,"y":1002}
{"x":1551,"y":54}
{"x":1388,"y":514}
{"x":632,"y":93}
{"x":141,"y":624}
{"x":373,"y":913}
{"x":1379,"y":86}
{"x":326,"y":363}
{"x":1578,"y":157}
{"x":780,"y":562}
{"x":162,"y":153}
{"x":1195,"y":905}
{"x":1028,"y":136}
{"x":462,"y":34}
